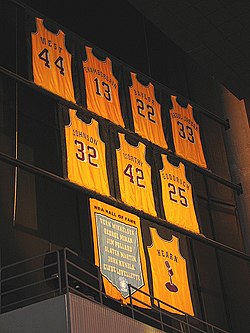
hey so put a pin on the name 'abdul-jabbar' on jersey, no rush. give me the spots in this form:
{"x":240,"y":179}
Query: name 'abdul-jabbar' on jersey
{"x":186,"y":133}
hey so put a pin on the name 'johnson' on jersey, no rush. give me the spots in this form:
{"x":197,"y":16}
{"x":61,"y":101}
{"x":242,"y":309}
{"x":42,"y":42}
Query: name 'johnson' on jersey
{"x":86,"y":161}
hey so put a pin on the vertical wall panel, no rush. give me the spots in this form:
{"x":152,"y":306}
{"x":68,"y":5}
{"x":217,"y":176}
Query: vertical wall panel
{"x":86,"y":316}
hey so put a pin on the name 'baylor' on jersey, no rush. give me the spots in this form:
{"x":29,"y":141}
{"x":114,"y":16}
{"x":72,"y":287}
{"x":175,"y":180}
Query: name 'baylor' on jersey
{"x":51,"y":62}
{"x":146,"y":112}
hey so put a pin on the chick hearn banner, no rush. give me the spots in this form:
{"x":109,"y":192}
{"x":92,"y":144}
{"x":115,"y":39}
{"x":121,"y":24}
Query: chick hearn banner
{"x":119,"y":252}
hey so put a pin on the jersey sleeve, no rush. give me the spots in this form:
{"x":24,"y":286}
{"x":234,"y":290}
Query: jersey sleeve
{"x":105,"y":135}
{"x":114,"y":144}
{"x":199,"y":117}
{"x":190,"y":175}
{"x":166,"y":121}
{"x":63,"y":120}
{"x":30,"y":27}
{"x":71,"y":44}
{"x":154,"y":164}
{"x":158,"y":165}
{"x":127,"y":84}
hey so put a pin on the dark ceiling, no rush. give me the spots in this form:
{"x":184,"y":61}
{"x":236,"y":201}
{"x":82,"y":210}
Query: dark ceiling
{"x":215,"y":33}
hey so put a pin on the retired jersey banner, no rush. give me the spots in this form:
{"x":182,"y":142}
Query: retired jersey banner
{"x":177,"y":196}
{"x":102,"y":88}
{"x":119,"y":252}
{"x":169,"y":274}
{"x":51,"y":61}
{"x":186,"y":133}
{"x":86,"y":158}
{"x":146,"y":112}
{"x":134,"y":174}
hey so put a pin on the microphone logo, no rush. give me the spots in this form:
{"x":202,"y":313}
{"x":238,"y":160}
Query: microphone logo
{"x":170,"y":285}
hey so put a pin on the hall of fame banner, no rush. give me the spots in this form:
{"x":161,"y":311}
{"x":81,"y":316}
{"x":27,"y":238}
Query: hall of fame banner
{"x":119,"y":253}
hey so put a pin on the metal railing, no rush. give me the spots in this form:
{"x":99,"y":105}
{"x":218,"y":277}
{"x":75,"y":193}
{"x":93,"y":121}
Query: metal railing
{"x":187,"y":323}
{"x":56,"y":273}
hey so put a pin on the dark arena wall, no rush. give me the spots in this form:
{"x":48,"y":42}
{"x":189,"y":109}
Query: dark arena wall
{"x":45,"y":206}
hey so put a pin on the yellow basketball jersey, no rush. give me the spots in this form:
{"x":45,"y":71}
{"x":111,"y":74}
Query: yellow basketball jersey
{"x":177,"y":196}
{"x":146,"y":112}
{"x":186,"y":134}
{"x":119,"y":253}
{"x":169,"y":274}
{"x":51,"y":61}
{"x":86,"y":162}
{"x":101,"y":88}
{"x":134,"y":175}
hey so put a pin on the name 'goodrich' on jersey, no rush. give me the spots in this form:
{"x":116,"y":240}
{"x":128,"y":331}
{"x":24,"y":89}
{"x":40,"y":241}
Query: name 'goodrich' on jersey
{"x":174,"y":178}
